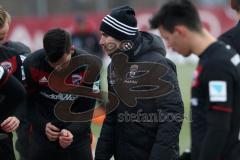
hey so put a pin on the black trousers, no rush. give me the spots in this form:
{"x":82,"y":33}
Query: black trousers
{"x":22,"y":142}
{"x":41,"y":153}
{"x":6,"y":149}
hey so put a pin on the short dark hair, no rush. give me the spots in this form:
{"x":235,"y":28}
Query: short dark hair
{"x":56,"y":42}
{"x":177,"y":12}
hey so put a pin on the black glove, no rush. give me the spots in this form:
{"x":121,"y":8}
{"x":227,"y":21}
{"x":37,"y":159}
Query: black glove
{"x":186,"y":155}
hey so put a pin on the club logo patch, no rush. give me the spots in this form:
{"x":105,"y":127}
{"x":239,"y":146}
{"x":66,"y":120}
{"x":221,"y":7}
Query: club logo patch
{"x":7,"y":66}
{"x":218,"y":91}
{"x":76,"y":79}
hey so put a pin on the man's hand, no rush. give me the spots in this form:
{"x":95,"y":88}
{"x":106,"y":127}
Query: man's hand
{"x":66,"y":138}
{"x":10,"y":124}
{"x":52,"y":132}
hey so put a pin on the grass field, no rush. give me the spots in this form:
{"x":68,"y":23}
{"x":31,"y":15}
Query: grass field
{"x":184,"y":77}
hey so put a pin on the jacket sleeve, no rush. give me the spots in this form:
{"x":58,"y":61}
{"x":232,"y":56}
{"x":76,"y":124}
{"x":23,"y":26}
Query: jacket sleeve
{"x":220,"y":107}
{"x":105,"y":144}
{"x":21,"y":111}
{"x":166,"y":145}
{"x":18,"y":72}
{"x":32,"y":91}
{"x":13,"y":91}
{"x":104,"y":148}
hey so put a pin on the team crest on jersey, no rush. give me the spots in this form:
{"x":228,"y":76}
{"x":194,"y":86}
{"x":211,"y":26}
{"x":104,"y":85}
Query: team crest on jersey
{"x":131,"y":75}
{"x":133,"y":70}
{"x":7,"y":65}
{"x":76,"y":79}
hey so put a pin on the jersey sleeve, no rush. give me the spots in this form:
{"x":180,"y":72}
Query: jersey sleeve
{"x":219,"y":84}
{"x":219,"y":79}
{"x":31,"y":86}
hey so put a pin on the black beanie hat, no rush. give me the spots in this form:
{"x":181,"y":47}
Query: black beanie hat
{"x":120,"y":24}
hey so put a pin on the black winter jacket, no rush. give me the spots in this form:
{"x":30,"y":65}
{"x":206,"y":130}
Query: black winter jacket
{"x":150,"y":130}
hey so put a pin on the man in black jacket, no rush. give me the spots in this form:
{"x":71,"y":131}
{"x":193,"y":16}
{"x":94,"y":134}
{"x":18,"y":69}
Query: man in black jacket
{"x":20,"y":50}
{"x":232,"y":36}
{"x":11,"y":61}
{"x":12,"y":94}
{"x":23,"y":131}
{"x":52,"y":138}
{"x":215,"y":88}
{"x":149,"y":127}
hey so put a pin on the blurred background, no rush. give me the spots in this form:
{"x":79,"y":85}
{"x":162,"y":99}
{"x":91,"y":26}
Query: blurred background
{"x":50,"y":7}
{"x":32,"y":18}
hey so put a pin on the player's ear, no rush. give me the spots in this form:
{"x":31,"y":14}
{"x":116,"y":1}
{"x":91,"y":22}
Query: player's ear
{"x":180,"y":30}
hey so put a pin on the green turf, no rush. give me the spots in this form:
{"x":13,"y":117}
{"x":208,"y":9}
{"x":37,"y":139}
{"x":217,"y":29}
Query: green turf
{"x":184,"y":77}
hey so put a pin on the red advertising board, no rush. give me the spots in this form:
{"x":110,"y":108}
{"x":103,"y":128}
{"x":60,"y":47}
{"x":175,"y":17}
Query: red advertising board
{"x":30,"y":30}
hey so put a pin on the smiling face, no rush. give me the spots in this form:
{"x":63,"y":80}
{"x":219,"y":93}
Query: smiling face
{"x":177,"y":40}
{"x":109,"y":44}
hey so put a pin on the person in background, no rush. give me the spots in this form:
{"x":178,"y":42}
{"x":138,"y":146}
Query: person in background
{"x":232,"y":36}
{"x":84,"y":36}
{"x":215,"y":87}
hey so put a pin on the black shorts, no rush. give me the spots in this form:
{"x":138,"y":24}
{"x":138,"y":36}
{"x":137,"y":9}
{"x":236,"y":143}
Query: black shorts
{"x":22,"y":142}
